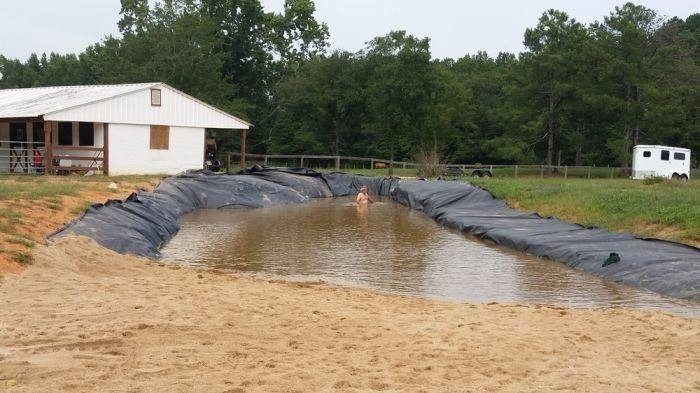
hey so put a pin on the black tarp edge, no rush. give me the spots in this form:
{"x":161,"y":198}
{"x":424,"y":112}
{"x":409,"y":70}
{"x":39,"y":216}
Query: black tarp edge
{"x":144,"y":222}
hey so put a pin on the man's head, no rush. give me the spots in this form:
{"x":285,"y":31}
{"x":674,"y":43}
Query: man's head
{"x":363,"y":189}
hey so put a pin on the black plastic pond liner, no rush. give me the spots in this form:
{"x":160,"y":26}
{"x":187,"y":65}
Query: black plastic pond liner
{"x":143,"y":223}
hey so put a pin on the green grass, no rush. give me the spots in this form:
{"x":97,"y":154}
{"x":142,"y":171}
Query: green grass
{"x":51,"y":188}
{"x":81,"y":208}
{"x":36,"y":189}
{"x":23,"y":258}
{"x":20,"y":240}
{"x":669,"y":209}
{"x":9,"y":217}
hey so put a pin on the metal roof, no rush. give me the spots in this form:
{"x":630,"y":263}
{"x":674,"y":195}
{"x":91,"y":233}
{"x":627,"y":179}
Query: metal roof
{"x":659,"y":147}
{"x":39,"y":101}
{"x":53,"y":101}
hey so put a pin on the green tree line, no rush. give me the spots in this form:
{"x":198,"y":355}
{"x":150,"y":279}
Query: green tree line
{"x":579,"y":94}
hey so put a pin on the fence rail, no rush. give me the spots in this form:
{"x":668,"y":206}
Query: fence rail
{"x":351,"y":162}
{"x":21,"y":156}
{"x":30,"y":157}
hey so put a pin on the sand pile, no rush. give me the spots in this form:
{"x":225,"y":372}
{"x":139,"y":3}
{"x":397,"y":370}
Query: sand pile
{"x":86,"y":319}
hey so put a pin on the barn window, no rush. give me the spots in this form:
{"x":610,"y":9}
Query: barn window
{"x":38,"y":128}
{"x":679,"y":156}
{"x":160,"y":137}
{"x":65,"y":133}
{"x":155,"y":97}
{"x":646,"y":154}
{"x":86,"y":135}
{"x":665,"y":155}
{"x":18,"y":134}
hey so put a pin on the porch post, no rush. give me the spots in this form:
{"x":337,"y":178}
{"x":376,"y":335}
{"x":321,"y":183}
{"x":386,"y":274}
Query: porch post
{"x":105,"y":149}
{"x":244,"y":136}
{"x":48,"y":153}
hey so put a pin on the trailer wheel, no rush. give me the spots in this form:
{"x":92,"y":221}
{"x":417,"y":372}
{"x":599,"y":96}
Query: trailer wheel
{"x":476,"y":174}
{"x":487,"y":174}
{"x":675,"y":176}
{"x":684,"y":177}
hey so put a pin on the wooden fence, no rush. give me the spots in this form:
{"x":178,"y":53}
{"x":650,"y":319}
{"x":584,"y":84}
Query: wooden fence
{"x":327,"y":162}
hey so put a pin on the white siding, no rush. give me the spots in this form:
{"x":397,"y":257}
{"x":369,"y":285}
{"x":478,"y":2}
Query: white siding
{"x":176,"y":109}
{"x":130,"y":153}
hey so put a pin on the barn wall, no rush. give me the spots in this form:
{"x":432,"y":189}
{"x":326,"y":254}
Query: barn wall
{"x":130,"y":153}
{"x":135,"y":108}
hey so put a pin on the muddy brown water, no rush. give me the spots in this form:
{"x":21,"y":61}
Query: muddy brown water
{"x":390,"y":248}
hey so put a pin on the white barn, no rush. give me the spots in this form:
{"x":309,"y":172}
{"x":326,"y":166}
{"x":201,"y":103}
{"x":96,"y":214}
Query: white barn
{"x":146,"y":128}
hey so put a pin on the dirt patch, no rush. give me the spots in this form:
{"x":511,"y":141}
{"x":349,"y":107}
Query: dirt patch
{"x":84,"y":318}
{"x":27,"y":217}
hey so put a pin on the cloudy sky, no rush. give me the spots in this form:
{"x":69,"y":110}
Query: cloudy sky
{"x":456,"y":27}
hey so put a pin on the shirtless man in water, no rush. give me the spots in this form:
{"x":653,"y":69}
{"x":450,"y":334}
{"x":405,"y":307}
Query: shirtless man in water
{"x":363,"y":197}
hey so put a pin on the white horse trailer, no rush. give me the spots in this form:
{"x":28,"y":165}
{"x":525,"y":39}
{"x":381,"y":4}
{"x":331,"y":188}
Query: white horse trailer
{"x":661,"y":161}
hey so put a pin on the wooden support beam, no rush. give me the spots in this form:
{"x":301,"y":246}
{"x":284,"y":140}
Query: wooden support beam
{"x":76,"y":158}
{"x":48,"y":153}
{"x":244,"y":136}
{"x":78,"y":148}
{"x":105,"y":154}
{"x":21,"y":119}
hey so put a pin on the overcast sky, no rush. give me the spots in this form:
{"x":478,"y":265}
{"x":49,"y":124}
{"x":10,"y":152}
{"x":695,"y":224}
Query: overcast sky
{"x":456,"y":27}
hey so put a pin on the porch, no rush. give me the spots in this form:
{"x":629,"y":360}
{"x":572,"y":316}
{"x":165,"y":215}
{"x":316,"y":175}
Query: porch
{"x":71,"y":147}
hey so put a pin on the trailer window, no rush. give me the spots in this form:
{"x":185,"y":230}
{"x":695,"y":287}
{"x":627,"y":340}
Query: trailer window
{"x":646,"y":154}
{"x":665,"y":154}
{"x":679,"y":156}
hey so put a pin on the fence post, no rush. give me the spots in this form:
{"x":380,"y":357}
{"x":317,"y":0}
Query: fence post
{"x":541,"y":171}
{"x":589,"y":172}
{"x":516,"y":171}
{"x":228,"y":162}
{"x":337,"y":163}
{"x":301,"y":161}
{"x":566,"y":171}
{"x":404,"y":165}
{"x":265,"y":160}
{"x":611,"y":172}
{"x":371,"y":164}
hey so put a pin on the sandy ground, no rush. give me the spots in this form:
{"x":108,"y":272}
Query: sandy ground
{"x":83,"y":318}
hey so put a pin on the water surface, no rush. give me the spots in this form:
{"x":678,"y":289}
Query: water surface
{"x":390,"y":248}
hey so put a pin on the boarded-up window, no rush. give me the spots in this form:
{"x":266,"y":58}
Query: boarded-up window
{"x":65,"y":133}
{"x":86,"y":137}
{"x":155,"y":97}
{"x":160,"y":137}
